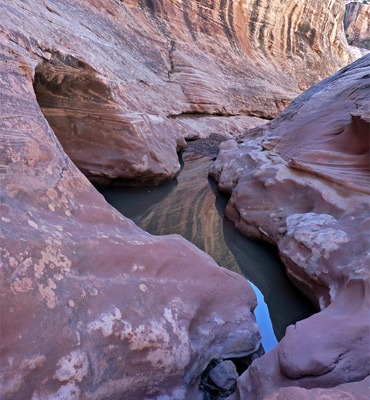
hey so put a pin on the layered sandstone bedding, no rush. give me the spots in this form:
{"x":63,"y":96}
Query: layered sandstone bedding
{"x":123,"y":82}
{"x":357,"y":23}
{"x":92,"y":307}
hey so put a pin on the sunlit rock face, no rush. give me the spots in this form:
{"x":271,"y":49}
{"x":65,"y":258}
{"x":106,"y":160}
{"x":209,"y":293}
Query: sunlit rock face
{"x":357,"y":24}
{"x":294,"y":34}
{"x":92,"y":307}
{"x":304,"y":186}
{"x":118,"y":81}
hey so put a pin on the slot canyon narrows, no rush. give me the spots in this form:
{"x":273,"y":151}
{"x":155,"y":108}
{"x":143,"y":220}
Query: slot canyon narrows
{"x":184,"y":200}
{"x":188,"y":206}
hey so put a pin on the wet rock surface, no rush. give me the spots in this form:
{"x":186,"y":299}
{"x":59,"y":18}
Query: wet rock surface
{"x":303,"y":186}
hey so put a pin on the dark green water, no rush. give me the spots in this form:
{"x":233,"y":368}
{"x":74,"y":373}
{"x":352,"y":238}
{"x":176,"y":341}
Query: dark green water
{"x":192,"y":207}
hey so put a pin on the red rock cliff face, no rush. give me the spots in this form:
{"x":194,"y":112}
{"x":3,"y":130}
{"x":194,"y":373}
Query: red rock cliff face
{"x":357,"y":24}
{"x":118,"y":81}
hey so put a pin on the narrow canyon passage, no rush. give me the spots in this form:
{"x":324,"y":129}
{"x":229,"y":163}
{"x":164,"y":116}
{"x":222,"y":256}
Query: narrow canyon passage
{"x":192,"y":207}
{"x":126,"y":271}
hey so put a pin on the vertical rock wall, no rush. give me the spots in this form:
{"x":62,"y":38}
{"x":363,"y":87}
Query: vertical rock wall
{"x":357,"y":24}
{"x":118,"y":81}
{"x":89,"y":302}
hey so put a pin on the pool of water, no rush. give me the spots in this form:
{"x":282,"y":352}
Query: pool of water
{"x":192,"y":207}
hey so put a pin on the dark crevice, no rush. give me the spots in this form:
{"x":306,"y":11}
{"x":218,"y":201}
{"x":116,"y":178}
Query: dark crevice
{"x":172,"y":65}
{"x":223,"y":383}
{"x":51,"y":10}
{"x":151,"y":8}
{"x":64,"y":169}
{"x":243,"y":363}
{"x":201,"y":114}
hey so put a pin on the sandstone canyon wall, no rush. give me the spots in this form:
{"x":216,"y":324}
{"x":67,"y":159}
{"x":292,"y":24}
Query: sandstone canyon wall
{"x":92,"y":307}
{"x":357,"y":24}
{"x":122,"y":82}
{"x":304,"y":185}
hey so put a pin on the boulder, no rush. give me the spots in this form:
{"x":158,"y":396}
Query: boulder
{"x":326,"y":350}
{"x":224,"y":375}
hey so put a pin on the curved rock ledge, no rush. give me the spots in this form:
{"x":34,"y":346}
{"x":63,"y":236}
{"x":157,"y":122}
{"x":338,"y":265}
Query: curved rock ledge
{"x":92,"y":307}
{"x":112,"y":76}
{"x":303,"y":186}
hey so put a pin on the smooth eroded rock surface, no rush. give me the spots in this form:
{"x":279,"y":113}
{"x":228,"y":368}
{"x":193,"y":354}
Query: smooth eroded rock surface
{"x":304,"y":186}
{"x":347,"y":391}
{"x":92,"y":307}
{"x":123,"y":82}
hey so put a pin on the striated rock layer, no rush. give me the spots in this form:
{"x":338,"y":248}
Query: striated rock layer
{"x":120,"y":81}
{"x":304,"y":186}
{"x":357,"y":24}
{"x":92,"y":307}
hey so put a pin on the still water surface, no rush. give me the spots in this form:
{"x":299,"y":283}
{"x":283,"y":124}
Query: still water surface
{"x":191,"y":206}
